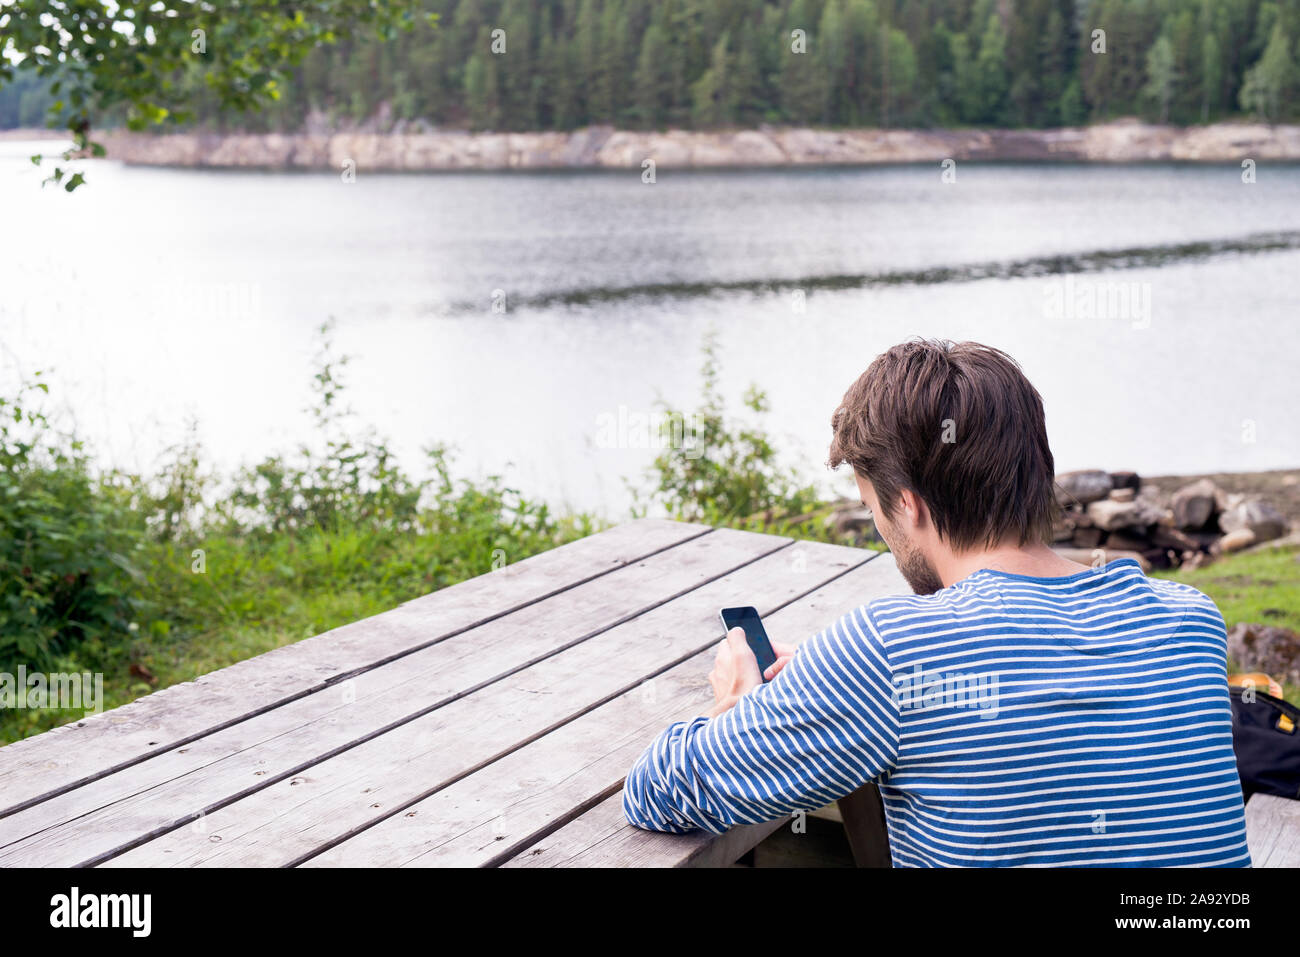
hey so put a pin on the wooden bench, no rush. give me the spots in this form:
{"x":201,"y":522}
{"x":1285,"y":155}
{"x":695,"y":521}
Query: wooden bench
{"x":487,"y":724}
{"x":1273,"y":831}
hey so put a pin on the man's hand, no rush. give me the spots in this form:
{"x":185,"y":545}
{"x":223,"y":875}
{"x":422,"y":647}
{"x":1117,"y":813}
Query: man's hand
{"x":735,"y":670}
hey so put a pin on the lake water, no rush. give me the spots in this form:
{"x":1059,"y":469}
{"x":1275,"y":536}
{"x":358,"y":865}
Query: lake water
{"x":516,"y":316}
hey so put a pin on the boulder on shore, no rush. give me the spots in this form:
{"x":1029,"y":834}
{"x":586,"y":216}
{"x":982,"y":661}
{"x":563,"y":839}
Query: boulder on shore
{"x":1267,"y":648}
{"x":1120,"y":480}
{"x":1265,"y":521}
{"x":1083,"y":486}
{"x":851,"y":521}
{"x":1194,"y":504}
{"x":1109,"y":514}
{"x":1236,"y":540}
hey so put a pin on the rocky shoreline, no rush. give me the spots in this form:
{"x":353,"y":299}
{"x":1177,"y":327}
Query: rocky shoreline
{"x":1161,"y":522}
{"x":1184,"y":524}
{"x":1121,"y":141}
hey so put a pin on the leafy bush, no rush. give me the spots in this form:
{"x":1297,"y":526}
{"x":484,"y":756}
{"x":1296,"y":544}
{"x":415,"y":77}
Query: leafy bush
{"x":69,"y":541}
{"x":729,"y":473}
{"x":160,"y":578}
{"x":353,"y":483}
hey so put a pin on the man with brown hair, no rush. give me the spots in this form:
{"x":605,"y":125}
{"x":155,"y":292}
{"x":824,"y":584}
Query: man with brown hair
{"x":1019,"y":709}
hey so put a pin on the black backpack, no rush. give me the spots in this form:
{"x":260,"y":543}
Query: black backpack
{"x":1266,"y":738}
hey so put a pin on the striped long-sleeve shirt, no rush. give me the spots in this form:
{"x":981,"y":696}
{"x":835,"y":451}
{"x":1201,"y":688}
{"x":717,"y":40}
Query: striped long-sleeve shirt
{"x":1008,"y":720}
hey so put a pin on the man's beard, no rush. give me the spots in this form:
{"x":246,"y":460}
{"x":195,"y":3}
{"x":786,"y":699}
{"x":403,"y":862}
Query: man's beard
{"x":916,"y":569}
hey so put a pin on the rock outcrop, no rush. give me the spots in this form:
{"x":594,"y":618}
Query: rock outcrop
{"x":604,"y":147}
{"x":1266,"y":648}
{"x":1114,"y":512}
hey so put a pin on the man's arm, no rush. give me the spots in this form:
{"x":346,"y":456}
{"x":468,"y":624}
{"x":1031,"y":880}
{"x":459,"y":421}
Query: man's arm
{"x":826,"y":725}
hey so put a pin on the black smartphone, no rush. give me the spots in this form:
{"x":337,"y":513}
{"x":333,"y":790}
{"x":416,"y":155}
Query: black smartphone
{"x":747,"y":618}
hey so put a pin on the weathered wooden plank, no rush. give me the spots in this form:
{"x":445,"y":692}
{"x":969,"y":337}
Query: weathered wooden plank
{"x":280,"y":743}
{"x":337,"y":798}
{"x":603,"y":838}
{"x":1273,"y":831}
{"x":66,"y":757}
{"x":513,"y":803}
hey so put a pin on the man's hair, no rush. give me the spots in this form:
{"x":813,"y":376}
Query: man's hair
{"x":959,"y":425}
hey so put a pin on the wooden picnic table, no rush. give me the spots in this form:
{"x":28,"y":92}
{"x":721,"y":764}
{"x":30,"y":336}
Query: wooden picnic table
{"x":487,"y":724}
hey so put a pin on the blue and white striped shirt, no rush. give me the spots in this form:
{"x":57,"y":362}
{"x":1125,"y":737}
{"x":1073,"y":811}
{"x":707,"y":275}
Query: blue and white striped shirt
{"x":1008,"y":720}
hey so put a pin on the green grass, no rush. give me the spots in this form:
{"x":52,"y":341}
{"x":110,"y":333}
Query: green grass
{"x":150,"y":580}
{"x":257,"y":595}
{"x":1261,"y":587}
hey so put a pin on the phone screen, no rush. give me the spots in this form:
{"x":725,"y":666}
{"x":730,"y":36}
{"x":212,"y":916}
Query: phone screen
{"x":755,"y":635}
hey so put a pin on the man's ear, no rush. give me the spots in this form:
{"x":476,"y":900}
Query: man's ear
{"x":912,"y":506}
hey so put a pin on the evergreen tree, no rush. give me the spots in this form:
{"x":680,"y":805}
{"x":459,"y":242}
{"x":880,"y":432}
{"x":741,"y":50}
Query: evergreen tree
{"x":1271,"y":79}
{"x":864,"y":71}
{"x":660,"y":63}
{"x":614,"y":55}
{"x":586,"y":60}
{"x":1073,"y":110}
{"x":481,"y":93}
{"x":965,"y":80}
{"x":1161,"y":77}
{"x":1211,"y":76}
{"x":653,"y":82}
{"x":835,"y":57}
{"x":1055,"y":47}
{"x":900,"y":76}
{"x":746,"y":91}
{"x":712,"y":94}
{"x":804,"y":73}
{"x":1028,"y":32}
{"x":991,"y":74}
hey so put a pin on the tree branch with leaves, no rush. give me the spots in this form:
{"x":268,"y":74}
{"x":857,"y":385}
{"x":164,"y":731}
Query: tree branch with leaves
{"x":135,"y":59}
